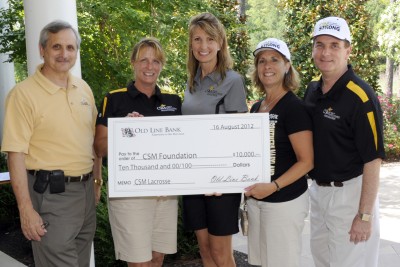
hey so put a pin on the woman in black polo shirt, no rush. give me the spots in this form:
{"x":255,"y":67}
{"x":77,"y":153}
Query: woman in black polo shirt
{"x":144,"y":229}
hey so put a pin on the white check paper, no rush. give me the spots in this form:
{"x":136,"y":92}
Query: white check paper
{"x":183,"y":155}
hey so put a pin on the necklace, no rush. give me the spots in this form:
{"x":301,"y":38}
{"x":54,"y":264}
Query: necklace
{"x":267,"y":105}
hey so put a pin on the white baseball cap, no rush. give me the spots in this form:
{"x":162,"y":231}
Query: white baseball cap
{"x":334,"y":26}
{"x":275,"y":44}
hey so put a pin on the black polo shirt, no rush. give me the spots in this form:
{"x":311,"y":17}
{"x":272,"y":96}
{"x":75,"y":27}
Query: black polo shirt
{"x":348,"y":127}
{"x":119,"y":103}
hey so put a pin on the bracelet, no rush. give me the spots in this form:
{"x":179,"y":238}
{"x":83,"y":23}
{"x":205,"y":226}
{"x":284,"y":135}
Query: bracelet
{"x":277,"y":185}
{"x":98,"y":181}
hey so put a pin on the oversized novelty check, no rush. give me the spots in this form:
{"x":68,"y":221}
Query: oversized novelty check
{"x":183,"y":155}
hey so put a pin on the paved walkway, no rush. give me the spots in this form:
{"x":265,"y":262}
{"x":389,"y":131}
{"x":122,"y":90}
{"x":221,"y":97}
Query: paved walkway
{"x":389,"y":194}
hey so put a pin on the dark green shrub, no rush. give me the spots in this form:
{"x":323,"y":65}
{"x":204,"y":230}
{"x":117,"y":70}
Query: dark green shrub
{"x":8,"y":204}
{"x":103,"y":242}
{"x":391,"y":127}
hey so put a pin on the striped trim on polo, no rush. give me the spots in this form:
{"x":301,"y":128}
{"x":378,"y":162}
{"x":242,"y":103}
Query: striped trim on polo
{"x":364,"y":98}
{"x":112,"y":92}
{"x":119,"y":90}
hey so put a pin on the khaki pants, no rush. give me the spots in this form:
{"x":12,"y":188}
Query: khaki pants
{"x":332,"y":212}
{"x":72,"y":224}
{"x":141,"y":225}
{"x":275,"y":231}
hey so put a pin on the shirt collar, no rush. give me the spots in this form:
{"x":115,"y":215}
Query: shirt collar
{"x":214,"y":76}
{"x":134,"y":92}
{"x":48,"y":85}
{"x":339,"y":86}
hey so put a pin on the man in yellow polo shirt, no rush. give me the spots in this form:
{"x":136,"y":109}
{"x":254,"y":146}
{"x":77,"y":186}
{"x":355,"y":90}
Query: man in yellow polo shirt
{"x":48,"y":134}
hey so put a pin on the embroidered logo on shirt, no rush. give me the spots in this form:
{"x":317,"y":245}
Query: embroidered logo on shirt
{"x":164,"y":108}
{"x":329,"y":114}
{"x":212,"y":92}
{"x":84,"y":102}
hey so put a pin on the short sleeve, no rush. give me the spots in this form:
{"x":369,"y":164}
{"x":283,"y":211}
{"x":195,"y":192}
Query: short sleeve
{"x":235,"y":99}
{"x":298,"y":119}
{"x":105,"y":111}
{"x":368,"y":131}
{"x":18,"y":122}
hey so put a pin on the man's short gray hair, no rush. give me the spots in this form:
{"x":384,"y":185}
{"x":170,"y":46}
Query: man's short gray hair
{"x":55,"y":27}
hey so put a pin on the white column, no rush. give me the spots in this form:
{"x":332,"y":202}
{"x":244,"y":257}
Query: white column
{"x":37,"y":15}
{"x":7,"y":78}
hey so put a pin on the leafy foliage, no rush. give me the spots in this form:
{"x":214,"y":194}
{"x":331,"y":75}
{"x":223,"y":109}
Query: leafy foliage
{"x":12,"y":33}
{"x":269,"y":24}
{"x":391,"y":126}
{"x":237,"y":34}
{"x":389,"y":32}
{"x":375,"y":8}
{"x":8,"y":204}
{"x":301,"y":16}
{"x":109,"y":30}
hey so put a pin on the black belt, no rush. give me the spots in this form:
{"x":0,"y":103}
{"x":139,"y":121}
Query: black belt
{"x":334,"y":184}
{"x":68,"y":179}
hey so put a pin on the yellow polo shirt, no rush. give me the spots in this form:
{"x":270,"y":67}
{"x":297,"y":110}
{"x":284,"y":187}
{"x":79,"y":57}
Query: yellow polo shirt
{"x":53,"y":126}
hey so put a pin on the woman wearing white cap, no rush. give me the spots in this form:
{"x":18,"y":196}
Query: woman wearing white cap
{"x":277,"y":210}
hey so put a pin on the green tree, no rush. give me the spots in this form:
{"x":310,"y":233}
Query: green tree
{"x":266,"y":19}
{"x":375,"y":9}
{"x":238,"y":38}
{"x":110,"y":28}
{"x":301,"y":16}
{"x":389,"y":31}
{"x":12,"y":37}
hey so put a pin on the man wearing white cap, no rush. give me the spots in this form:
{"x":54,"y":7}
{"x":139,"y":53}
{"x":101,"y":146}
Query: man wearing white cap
{"x":348,"y":149}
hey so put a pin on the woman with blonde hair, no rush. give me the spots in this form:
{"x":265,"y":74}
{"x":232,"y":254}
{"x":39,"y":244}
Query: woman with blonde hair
{"x":144,"y":229}
{"x":212,"y":88}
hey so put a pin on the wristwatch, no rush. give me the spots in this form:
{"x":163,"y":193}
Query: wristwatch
{"x":98,"y":181}
{"x":365,"y":217}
